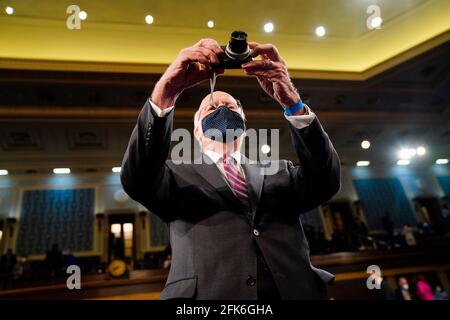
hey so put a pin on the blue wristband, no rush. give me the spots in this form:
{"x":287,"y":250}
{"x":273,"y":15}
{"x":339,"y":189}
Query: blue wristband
{"x":289,"y":111}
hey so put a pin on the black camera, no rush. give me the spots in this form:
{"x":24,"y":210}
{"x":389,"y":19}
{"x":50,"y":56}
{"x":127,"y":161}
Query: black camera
{"x":236,"y":52}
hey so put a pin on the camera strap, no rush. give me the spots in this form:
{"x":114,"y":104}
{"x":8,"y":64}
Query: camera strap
{"x":212,"y":84}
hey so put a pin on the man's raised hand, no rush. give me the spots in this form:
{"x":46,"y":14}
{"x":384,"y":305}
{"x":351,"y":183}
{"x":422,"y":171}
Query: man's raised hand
{"x":272,"y":74}
{"x":192,"y":66}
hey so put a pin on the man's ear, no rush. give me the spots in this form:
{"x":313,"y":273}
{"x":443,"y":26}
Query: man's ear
{"x":197,"y":133}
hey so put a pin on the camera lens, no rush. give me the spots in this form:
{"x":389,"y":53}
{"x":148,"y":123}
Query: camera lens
{"x":238,"y":42}
{"x":237,"y":48}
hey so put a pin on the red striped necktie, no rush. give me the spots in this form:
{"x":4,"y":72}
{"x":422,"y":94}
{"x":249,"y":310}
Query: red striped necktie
{"x":236,"y":179}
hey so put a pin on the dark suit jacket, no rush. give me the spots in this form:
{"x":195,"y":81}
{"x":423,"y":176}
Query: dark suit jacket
{"x":398,"y":294}
{"x":212,"y":235}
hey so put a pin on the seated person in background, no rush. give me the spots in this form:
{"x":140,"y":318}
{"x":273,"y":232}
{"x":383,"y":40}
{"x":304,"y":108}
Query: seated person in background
{"x":54,"y":260}
{"x":384,"y":292}
{"x":445,"y":214}
{"x":403,"y":292}
{"x":408,"y":233}
{"x":7,"y":263}
{"x":423,"y":289}
{"x":440,"y":294}
{"x":360,"y":232}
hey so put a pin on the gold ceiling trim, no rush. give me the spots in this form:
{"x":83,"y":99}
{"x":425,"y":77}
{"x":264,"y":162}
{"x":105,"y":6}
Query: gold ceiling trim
{"x":59,"y":65}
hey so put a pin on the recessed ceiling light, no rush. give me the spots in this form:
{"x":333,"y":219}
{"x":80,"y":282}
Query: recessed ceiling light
{"x":421,"y":151}
{"x":365,"y":144}
{"x":404,"y":154}
{"x":321,"y":31}
{"x":149,"y":19}
{"x":210,"y":24}
{"x":363,"y":163}
{"x":61,"y":171}
{"x":268,"y":27}
{"x":412,"y":152}
{"x":82,"y":15}
{"x":403,"y":162}
{"x":9,"y":10}
{"x":116,"y":169}
{"x":442,"y":161}
{"x":376,"y":22}
{"x":3,"y":172}
{"x":265,"y":149}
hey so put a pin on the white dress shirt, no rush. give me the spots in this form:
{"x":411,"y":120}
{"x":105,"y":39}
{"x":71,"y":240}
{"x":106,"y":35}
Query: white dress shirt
{"x":218,"y":160}
{"x":298,"y":122}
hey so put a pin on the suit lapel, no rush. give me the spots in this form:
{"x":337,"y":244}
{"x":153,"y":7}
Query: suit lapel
{"x":212,"y":175}
{"x":255,"y":181}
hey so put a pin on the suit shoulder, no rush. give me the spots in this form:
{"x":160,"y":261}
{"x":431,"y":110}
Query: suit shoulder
{"x":280,"y":163}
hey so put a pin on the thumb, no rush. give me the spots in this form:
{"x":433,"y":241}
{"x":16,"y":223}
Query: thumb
{"x":253,"y":44}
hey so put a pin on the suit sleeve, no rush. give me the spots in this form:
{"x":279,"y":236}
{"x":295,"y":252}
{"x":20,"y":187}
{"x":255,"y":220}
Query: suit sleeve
{"x":145,"y":176}
{"x":318,"y":177}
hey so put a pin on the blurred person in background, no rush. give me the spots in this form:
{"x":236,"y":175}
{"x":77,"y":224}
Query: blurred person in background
{"x":408,"y":233}
{"x":403,"y":291}
{"x":7,"y":264}
{"x":440,"y":294}
{"x":423,"y":289}
{"x":54,"y":260}
{"x":385,"y":292}
{"x":359,"y":233}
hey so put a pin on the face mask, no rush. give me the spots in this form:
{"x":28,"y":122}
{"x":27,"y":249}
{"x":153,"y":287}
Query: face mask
{"x":216,"y":124}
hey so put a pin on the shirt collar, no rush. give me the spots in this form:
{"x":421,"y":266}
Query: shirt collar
{"x":217,"y":156}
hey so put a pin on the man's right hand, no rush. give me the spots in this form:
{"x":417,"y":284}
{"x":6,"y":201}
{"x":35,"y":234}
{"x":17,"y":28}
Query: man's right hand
{"x":192,"y":66}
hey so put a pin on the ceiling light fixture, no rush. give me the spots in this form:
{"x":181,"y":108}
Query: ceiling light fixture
{"x":404,"y":154}
{"x":265,"y":149}
{"x":9,"y":10}
{"x":210,"y":24}
{"x":61,"y":171}
{"x":149,"y":19}
{"x":82,"y":15}
{"x":268,"y":27}
{"x":363,"y":163}
{"x":321,"y":31}
{"x":412,"y":152}
{"x":403,"y":162}
{"x":376,"y":22}
{"x":421,"y":151}
{"x":442,"y":161}
{"x":365,"y":144}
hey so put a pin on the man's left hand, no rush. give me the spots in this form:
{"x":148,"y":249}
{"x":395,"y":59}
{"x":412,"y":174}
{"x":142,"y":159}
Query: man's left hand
{"x":272,"y":74}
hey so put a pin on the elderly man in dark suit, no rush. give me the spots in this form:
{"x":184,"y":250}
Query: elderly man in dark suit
{"x":235,"y":231}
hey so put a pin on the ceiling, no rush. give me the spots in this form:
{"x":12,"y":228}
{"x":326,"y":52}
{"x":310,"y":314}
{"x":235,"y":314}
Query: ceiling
{"x":83,"y":119}
{"x":345,"y":19}
{"x":115,"y":38}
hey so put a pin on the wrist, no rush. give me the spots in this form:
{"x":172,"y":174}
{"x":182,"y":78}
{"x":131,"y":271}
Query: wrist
{"x":164,"y":95}
{"x":295,"y":109}
{"x":290,"y":101}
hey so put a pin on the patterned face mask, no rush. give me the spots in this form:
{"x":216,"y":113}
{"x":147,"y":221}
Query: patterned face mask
{"x":223,"y":125}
